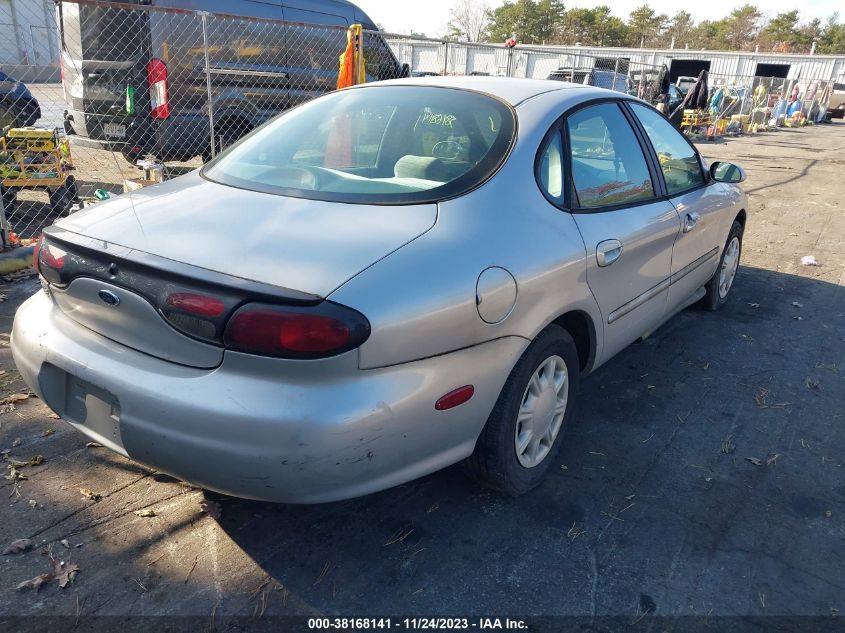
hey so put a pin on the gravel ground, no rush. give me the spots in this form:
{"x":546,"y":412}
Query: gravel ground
{"x":703,"y":475}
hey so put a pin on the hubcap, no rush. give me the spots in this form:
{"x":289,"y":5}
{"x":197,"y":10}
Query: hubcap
{"x":540,"y":416}
{"x":730,"y":263}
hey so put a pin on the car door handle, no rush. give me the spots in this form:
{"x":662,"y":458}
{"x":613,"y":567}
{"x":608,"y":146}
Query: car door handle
{"x":690,"y":220}
{"x":608,"y":252}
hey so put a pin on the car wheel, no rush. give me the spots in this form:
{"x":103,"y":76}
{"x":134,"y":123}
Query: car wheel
{"x":523,"y":433}
{"x":62,"y":198}
{"x":227,"y":134}
{"x":717,"y":289}
{"x":10,"y":200}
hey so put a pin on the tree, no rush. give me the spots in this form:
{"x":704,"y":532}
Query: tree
{"x":593,"y":27}
{"x":579,"y":27}
{"x":707,"y":34}
{"x":468,"y":20}
{"x":781,"y":33}
{"x":609,"y":30}
{"x":645,"y":26}
{"x":832,"y":40}
{"x":740,"y":28}
{"x":529,"y":21}
{"x":680,"y":29}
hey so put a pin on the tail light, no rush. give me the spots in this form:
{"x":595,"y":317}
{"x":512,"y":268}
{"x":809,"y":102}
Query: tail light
{"x":51,"y":261}
{"x":198,"y":315}
{"x":324,"y":330}
{"x":159,"y":99}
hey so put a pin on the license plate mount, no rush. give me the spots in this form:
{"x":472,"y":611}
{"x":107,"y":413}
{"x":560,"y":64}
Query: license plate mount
{"x":114,"y":130}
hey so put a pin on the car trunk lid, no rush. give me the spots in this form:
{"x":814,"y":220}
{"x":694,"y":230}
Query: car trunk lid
{"x":293,"y":243}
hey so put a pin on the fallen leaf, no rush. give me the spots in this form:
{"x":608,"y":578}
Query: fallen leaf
{"x":15,"y":397}
{"x":211,"y":508}
{"x":88,"y":494}
{"x":16,"y":547}
{"x":35,"y":461}
{"x":149,"y":512}
{"x":812,"y":383}
{"x":54,"y":416}
{"x":48,"y":432}
{"x":753,"y":305}
{"x":35,"y":583}
{"x":771,"y":459}
{"x":17,"y":442}
{"x":65,"y":543}
{"x":7,"y":408}
{"x":93,"y":445}
{"x":60,"y":572}
{"x":755,"y":461}
{"x":67,"y":574}
{"x":797,"y":305}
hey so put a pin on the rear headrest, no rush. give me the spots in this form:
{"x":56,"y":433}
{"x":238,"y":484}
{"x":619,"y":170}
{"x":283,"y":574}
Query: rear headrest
{"x":424,"y":167}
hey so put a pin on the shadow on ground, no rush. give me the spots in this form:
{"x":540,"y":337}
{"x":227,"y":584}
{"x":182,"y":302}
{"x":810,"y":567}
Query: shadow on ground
{"x":653,"y":494}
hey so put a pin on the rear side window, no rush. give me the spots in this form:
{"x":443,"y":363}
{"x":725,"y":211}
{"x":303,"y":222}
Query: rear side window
{"x":378,"y":145}
{"x":678,"y":160}
{"x":607,"y":162}
{"x":550,"y":168}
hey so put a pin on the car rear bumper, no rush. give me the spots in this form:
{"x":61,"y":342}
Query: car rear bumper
{"x":289,"y":431}
{"x":179,"y":137}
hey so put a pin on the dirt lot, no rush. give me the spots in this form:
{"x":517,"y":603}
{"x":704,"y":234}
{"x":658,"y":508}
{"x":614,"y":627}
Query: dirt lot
{"x":703,"y":476}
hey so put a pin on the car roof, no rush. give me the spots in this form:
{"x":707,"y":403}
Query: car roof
{"x":512,"y":90}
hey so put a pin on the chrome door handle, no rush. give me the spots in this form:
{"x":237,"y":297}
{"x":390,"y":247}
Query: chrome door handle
{"x":608,"y":252}
{"x":690,"y":220}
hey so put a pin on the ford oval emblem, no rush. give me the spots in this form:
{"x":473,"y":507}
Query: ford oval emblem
{"x":108,"y":297}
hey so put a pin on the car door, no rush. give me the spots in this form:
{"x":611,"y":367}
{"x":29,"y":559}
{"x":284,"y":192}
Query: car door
{"x":628,"y":230}
{"x":701,"y":205}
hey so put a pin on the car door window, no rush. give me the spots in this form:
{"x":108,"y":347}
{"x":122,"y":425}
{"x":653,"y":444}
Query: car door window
{"x":550,"y":168}
{"x":608,"y":165}
{"x":678,"y":160}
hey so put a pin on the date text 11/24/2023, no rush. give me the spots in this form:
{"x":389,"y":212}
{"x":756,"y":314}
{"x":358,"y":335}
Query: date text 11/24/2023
{"x":416,"y":624}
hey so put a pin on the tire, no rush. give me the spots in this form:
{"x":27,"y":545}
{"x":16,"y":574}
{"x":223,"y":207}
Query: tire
{"x":62,"y":198}
{"x":10,"y":200}
{"x":131,"y":157}
{"x":495,"y":463}
{"x":228,"y":134}
{"x":715,"y":294}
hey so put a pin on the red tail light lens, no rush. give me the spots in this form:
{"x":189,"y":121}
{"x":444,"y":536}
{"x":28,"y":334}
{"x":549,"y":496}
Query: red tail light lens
{"x":324,"y":330}
{"x":195,"y":314}
{"x":52,"y":256}
{"x":199,"y":305}
{"x":159,"y":98}
{"x":50,"y":261}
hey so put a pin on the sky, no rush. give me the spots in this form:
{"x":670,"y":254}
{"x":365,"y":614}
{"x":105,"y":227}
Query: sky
{"x":430,"y":17}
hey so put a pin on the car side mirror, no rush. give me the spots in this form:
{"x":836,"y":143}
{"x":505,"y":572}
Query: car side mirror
{"x":727,"y":172}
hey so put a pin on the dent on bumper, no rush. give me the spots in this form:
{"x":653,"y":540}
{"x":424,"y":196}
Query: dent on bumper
{"x":291,"y":431}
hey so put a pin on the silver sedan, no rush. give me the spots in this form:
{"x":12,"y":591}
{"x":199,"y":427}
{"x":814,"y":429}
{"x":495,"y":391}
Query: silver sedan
{"x":380,"y":283}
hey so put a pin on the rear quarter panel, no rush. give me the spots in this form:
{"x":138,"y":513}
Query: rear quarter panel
{"x":421,"y":300}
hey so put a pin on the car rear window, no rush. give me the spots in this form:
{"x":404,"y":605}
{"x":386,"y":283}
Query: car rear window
{"x":374,"y":145}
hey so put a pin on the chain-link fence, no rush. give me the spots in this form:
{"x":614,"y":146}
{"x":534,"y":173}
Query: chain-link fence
{"x":109,"y":84}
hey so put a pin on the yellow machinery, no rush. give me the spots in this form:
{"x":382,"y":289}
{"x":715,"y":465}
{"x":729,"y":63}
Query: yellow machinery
{"x":37,"y":158}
